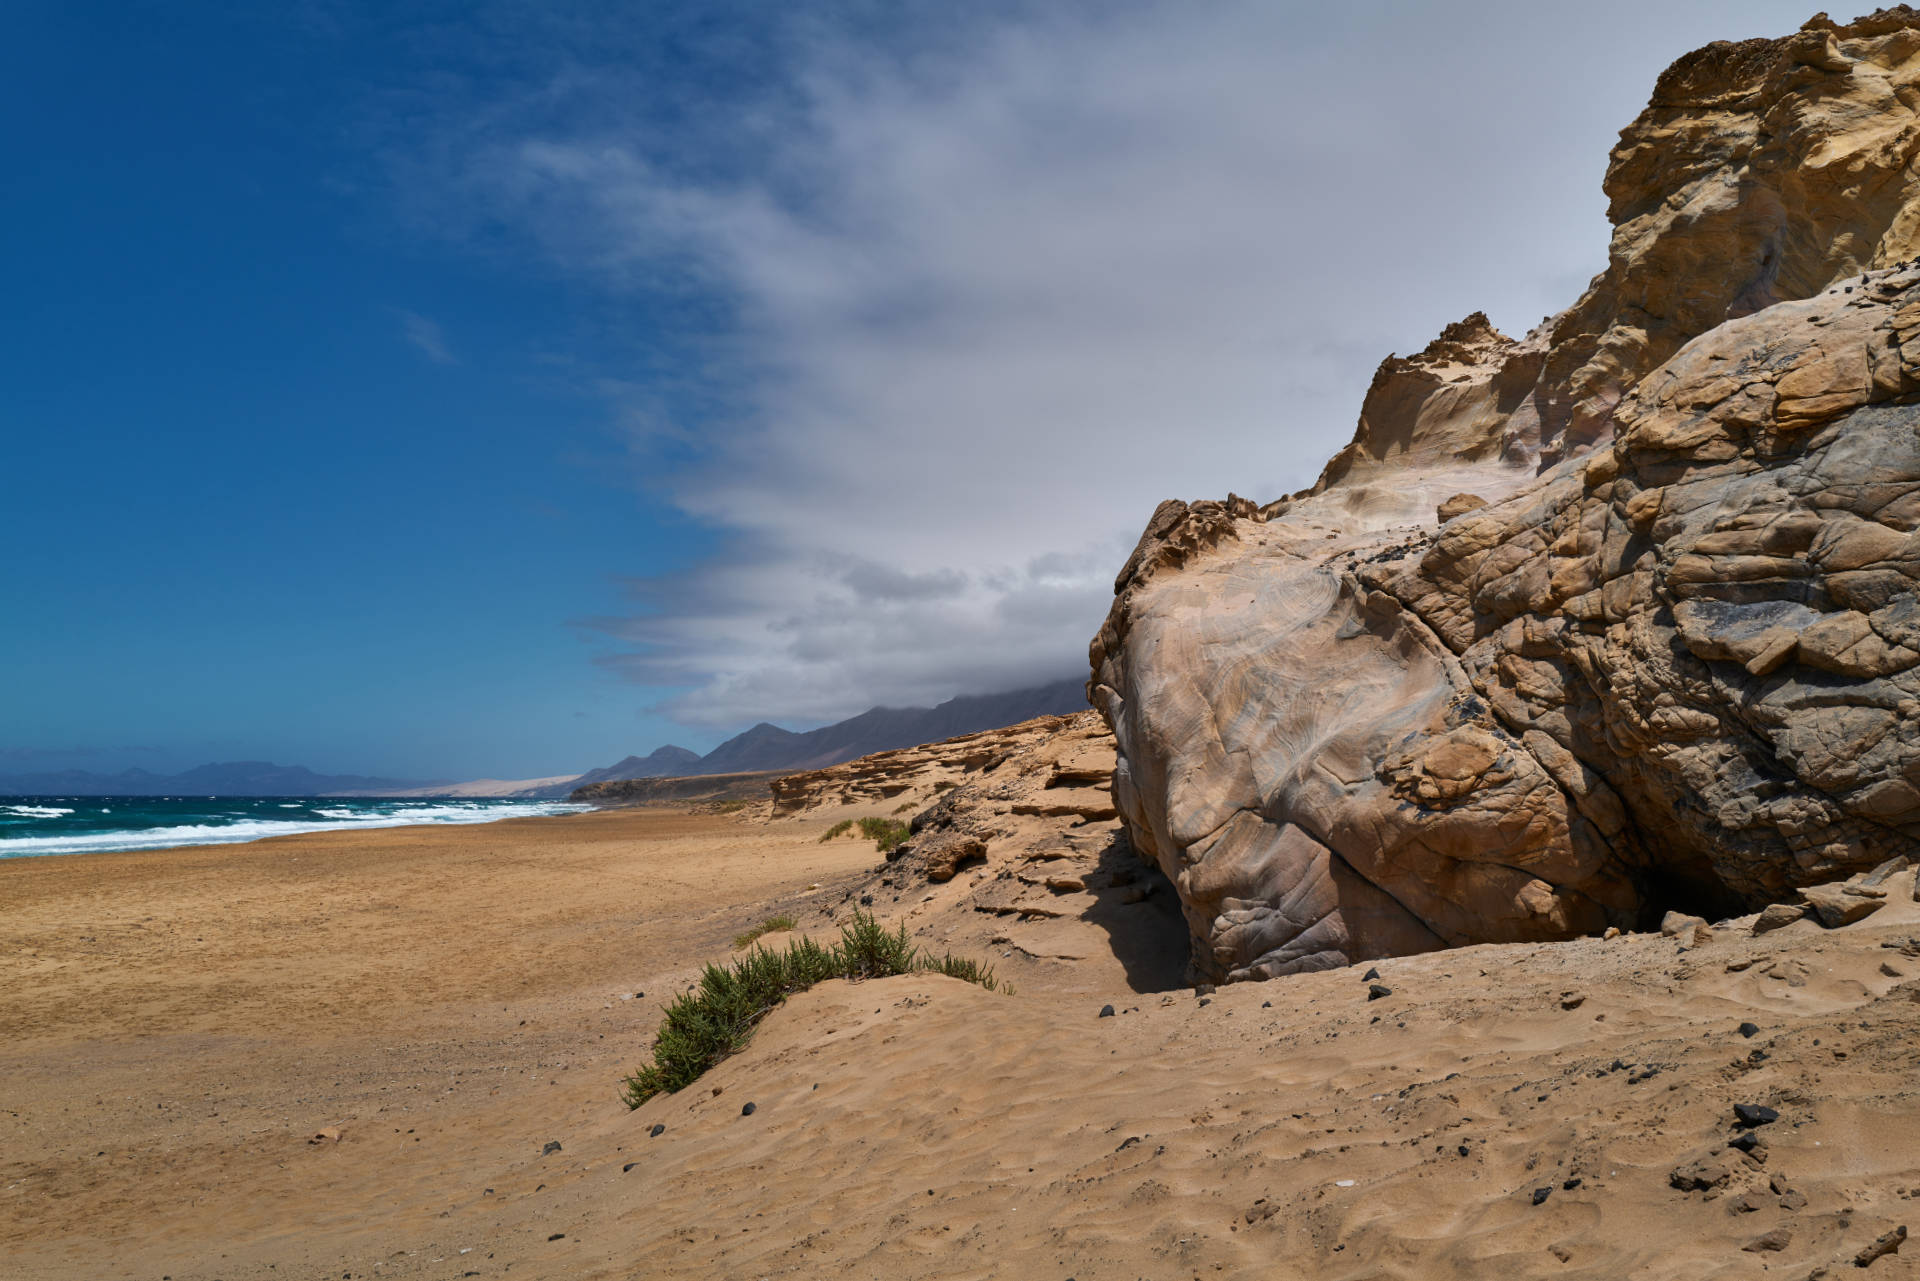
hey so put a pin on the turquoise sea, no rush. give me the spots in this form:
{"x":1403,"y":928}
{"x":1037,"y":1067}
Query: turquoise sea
{"x":35,"y":825}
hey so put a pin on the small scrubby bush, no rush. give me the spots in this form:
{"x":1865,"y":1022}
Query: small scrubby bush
{"x":885,"y":833}
{"x":717,"y":1018}
{"x":771,"y":925}
{"x":945,"y":785}
{"x":844,"y":825}
{"x":903,"y":808}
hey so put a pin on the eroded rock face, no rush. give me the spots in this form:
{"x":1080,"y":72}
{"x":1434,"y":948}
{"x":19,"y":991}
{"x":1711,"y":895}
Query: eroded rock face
{"x":1676,"y":666}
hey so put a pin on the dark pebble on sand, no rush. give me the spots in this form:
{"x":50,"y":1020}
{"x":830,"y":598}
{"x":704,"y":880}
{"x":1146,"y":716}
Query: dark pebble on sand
{"x":1370,"y":975}
{"x":749,"y":1109}
{"x":558,"y":1236}
{"x":1464,"y":1150}
{"x":657,"y":1131}
{"x":1266,"y":1005}
{"x":553,"y":1145}
{"x":1751,"y":1114}
{"x":1377,"y":990}
{"x":1570,"y":1184}
{"x":628,"y":1166}
{"x":1106,"y":1011}
{"x":1540,"y":1195}
{"x":1749,"y":1030}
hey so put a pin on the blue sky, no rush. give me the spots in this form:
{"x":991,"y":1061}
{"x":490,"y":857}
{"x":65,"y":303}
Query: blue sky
{"x":497,"y":389}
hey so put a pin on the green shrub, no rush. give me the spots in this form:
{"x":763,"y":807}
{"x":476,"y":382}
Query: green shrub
{"x":844,"y":825}
{"x":768,"y":926}
{"x":885,"y":833}
{"x":903,"y":808}
{"x":717,"y":1018}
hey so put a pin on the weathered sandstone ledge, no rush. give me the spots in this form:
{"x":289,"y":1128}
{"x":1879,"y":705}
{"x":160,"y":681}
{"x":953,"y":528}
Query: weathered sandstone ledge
{"x":1662,"y":650}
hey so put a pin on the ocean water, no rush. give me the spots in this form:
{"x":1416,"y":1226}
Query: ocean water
{"x":35,"y":825}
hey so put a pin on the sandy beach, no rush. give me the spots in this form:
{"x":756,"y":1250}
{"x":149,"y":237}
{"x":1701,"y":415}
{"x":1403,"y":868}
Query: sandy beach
{"x":177,"y":1024}
{"x":180,"y":1025}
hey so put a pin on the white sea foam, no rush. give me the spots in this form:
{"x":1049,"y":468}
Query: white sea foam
{"x":36,"y":811}
{"x":155,"y":838}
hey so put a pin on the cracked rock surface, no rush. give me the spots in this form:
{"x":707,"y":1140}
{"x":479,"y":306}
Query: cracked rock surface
{"x":1662,"y":651}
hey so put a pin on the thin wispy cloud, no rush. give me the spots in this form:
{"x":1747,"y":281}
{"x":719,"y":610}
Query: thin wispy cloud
{"x":425,"y":336}
{"x":976,"y":302}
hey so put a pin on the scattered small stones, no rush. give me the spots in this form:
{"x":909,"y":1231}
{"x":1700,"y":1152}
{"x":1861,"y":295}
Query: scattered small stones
{"x":1106,"y":1011}
{"x":1752,"y":1114}
{"x":1377,"y":990}
{"x":749,"y":1109}
{"x":553,"y":1145}
{"x":656,"y":1131}
{"x":1887,"y":1243}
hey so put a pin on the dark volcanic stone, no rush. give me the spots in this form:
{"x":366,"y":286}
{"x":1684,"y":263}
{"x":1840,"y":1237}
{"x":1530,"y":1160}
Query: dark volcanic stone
{"x":1377,"y":990}
{"x":749,"y":1109}
{"x":1106,"y":1011}
{"x":1370,"y":975}
{"x":553,"y":1145}
{"x":657,"y":1131}
{"x":1749,"y":1030}
{"x":1540,"y":1195}
{"x":1751,"y":1114}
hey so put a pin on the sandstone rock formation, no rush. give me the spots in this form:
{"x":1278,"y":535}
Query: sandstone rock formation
{"x":1668,"y":659}
{"x":1015,"y":850}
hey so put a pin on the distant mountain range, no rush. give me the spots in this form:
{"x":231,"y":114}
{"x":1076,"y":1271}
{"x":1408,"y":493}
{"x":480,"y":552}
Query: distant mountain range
{"x":764,"y":747}
{"x":232,"y":778}
{"x":768,"y":747}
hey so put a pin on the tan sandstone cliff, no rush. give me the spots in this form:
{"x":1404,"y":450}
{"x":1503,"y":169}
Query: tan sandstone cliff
{"x":1661,"y":652}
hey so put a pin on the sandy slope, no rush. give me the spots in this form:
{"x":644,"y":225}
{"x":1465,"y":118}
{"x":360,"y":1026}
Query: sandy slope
{"x":177,"y":1024}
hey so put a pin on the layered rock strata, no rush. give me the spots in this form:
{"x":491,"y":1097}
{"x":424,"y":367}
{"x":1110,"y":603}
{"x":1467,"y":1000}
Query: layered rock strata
{"x":1661,"y":652}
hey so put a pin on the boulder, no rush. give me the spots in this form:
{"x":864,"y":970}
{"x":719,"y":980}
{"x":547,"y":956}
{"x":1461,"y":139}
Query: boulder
{"x":1673,"y":658}
{"x":1776,"y":915}
{"x":1836,"y":908}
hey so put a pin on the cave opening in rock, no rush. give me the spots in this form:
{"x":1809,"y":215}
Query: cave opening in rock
{"x":1675,"y":883}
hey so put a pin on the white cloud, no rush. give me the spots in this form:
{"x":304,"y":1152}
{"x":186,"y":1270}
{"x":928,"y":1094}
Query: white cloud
{"x":995,"y":295}
{"x":425,"y":335}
